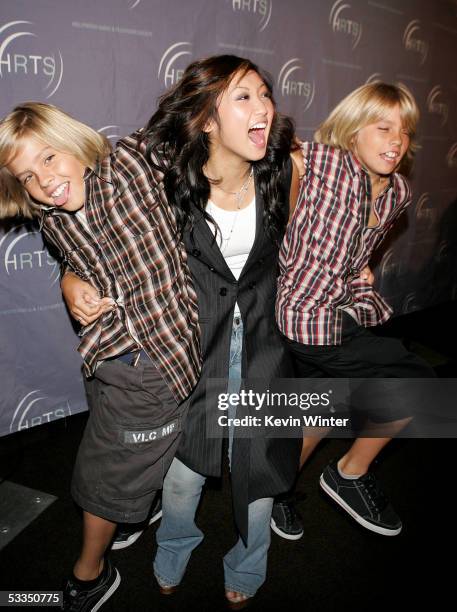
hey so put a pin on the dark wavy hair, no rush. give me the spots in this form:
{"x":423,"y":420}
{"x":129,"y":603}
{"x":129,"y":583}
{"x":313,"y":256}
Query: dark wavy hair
{"x":178,"y":146}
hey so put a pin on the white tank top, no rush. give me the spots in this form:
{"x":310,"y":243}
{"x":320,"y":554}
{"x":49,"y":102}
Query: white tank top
{"x":238,"y":233}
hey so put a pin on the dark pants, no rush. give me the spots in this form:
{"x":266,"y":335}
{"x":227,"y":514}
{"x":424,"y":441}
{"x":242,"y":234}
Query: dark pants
{"x":129,"y":441}
{"x":363,"y":355}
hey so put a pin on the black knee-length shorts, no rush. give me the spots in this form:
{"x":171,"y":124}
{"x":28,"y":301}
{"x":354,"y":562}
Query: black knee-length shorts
{"x":363,"y":355}
{"x":129,"y":442}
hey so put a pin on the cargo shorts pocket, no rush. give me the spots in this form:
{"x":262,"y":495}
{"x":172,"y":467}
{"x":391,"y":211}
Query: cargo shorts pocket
{"x":145,"y":437}
{"x":143,"y":456}
{"x":142,"y":428}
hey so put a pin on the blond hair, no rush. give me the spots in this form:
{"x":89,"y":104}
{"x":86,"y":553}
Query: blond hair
{"x":53,"y":127}
{"x":368,"y":104}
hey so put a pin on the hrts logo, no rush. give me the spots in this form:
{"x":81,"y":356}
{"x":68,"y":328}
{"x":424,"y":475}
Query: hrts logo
{"x":21,"y":253}
{"x":342,"y":24}
{"x":425,"y":212}
{"x":31,"y":412}
{"x":293,"y":86}
{"x":392,"y":266}
{"x":436,"y":106}
{"x":111,"y":132}
{"x":263,"y":8}
{"x":413,"y":43}
{"x":451,"y":157}
{"x":19,"y":57}
{"x":170,"y":70}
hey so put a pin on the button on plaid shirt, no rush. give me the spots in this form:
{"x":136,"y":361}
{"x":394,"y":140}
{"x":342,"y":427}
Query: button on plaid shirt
{"x":328,"y":242}
{"x":129,"y":241}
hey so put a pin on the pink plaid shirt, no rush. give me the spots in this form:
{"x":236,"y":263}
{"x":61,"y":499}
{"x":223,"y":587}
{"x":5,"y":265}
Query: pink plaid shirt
{"x":328,"y":242}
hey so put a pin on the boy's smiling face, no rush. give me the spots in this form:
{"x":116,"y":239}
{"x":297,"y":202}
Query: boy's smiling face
{"x":49,"y":176}
{"x":380,"y":146}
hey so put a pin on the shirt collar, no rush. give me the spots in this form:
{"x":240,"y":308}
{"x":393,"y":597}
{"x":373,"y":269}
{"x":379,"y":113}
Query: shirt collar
{"x":355,"y":168}
{"x":102,"y":170}
{"x":353,"y":165}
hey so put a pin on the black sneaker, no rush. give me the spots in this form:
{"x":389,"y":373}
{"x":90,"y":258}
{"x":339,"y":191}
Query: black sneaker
{"x":78,"y":599}
{"x":126,"y":534}
{"x":363,"y":499}
{"x":285,"y":520}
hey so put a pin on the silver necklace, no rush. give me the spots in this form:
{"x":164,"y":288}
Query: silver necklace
{"x":242,"y":190}
{"x":239,"y":195}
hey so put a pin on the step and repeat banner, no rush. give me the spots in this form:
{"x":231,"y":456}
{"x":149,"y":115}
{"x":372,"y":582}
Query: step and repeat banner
{"x":107,"y":61}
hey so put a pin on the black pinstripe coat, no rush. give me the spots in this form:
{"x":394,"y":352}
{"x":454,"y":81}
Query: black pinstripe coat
{"x":261,"y":467}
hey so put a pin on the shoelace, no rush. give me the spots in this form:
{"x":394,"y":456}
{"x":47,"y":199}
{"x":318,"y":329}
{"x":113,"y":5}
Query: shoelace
{"x":77,"y":597}
{"x":374,"y":494}
{"x":289,"y":506}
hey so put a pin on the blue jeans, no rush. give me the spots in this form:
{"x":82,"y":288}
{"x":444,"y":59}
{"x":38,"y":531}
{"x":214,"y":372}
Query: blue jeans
{"x":244,"y":567}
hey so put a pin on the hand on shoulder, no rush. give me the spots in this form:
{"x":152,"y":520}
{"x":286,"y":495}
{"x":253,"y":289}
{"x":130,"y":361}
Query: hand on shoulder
{"x":297,"y":159}
{"x":298,"y":171}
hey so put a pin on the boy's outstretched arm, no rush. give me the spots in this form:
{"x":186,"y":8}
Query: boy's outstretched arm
{"x":82,"y":299}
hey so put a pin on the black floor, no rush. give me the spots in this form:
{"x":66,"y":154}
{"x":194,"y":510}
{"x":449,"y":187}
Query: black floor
{"x":336,"y":565}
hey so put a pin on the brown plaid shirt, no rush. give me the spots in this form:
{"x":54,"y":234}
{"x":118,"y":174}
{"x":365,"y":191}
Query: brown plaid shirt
{"x":327,"y":244}
{"x":129,"y":242}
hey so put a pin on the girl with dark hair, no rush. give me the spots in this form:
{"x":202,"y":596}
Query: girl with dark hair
{"x":182,"y":131}
{"x":224,"y":153}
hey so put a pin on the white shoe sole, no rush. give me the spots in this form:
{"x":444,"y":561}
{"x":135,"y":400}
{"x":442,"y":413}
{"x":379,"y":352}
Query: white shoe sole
{"x":282,"y":534}
{"x":134,"y":537}
{"x":108,"y":593}
{"x":377,"y":529}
